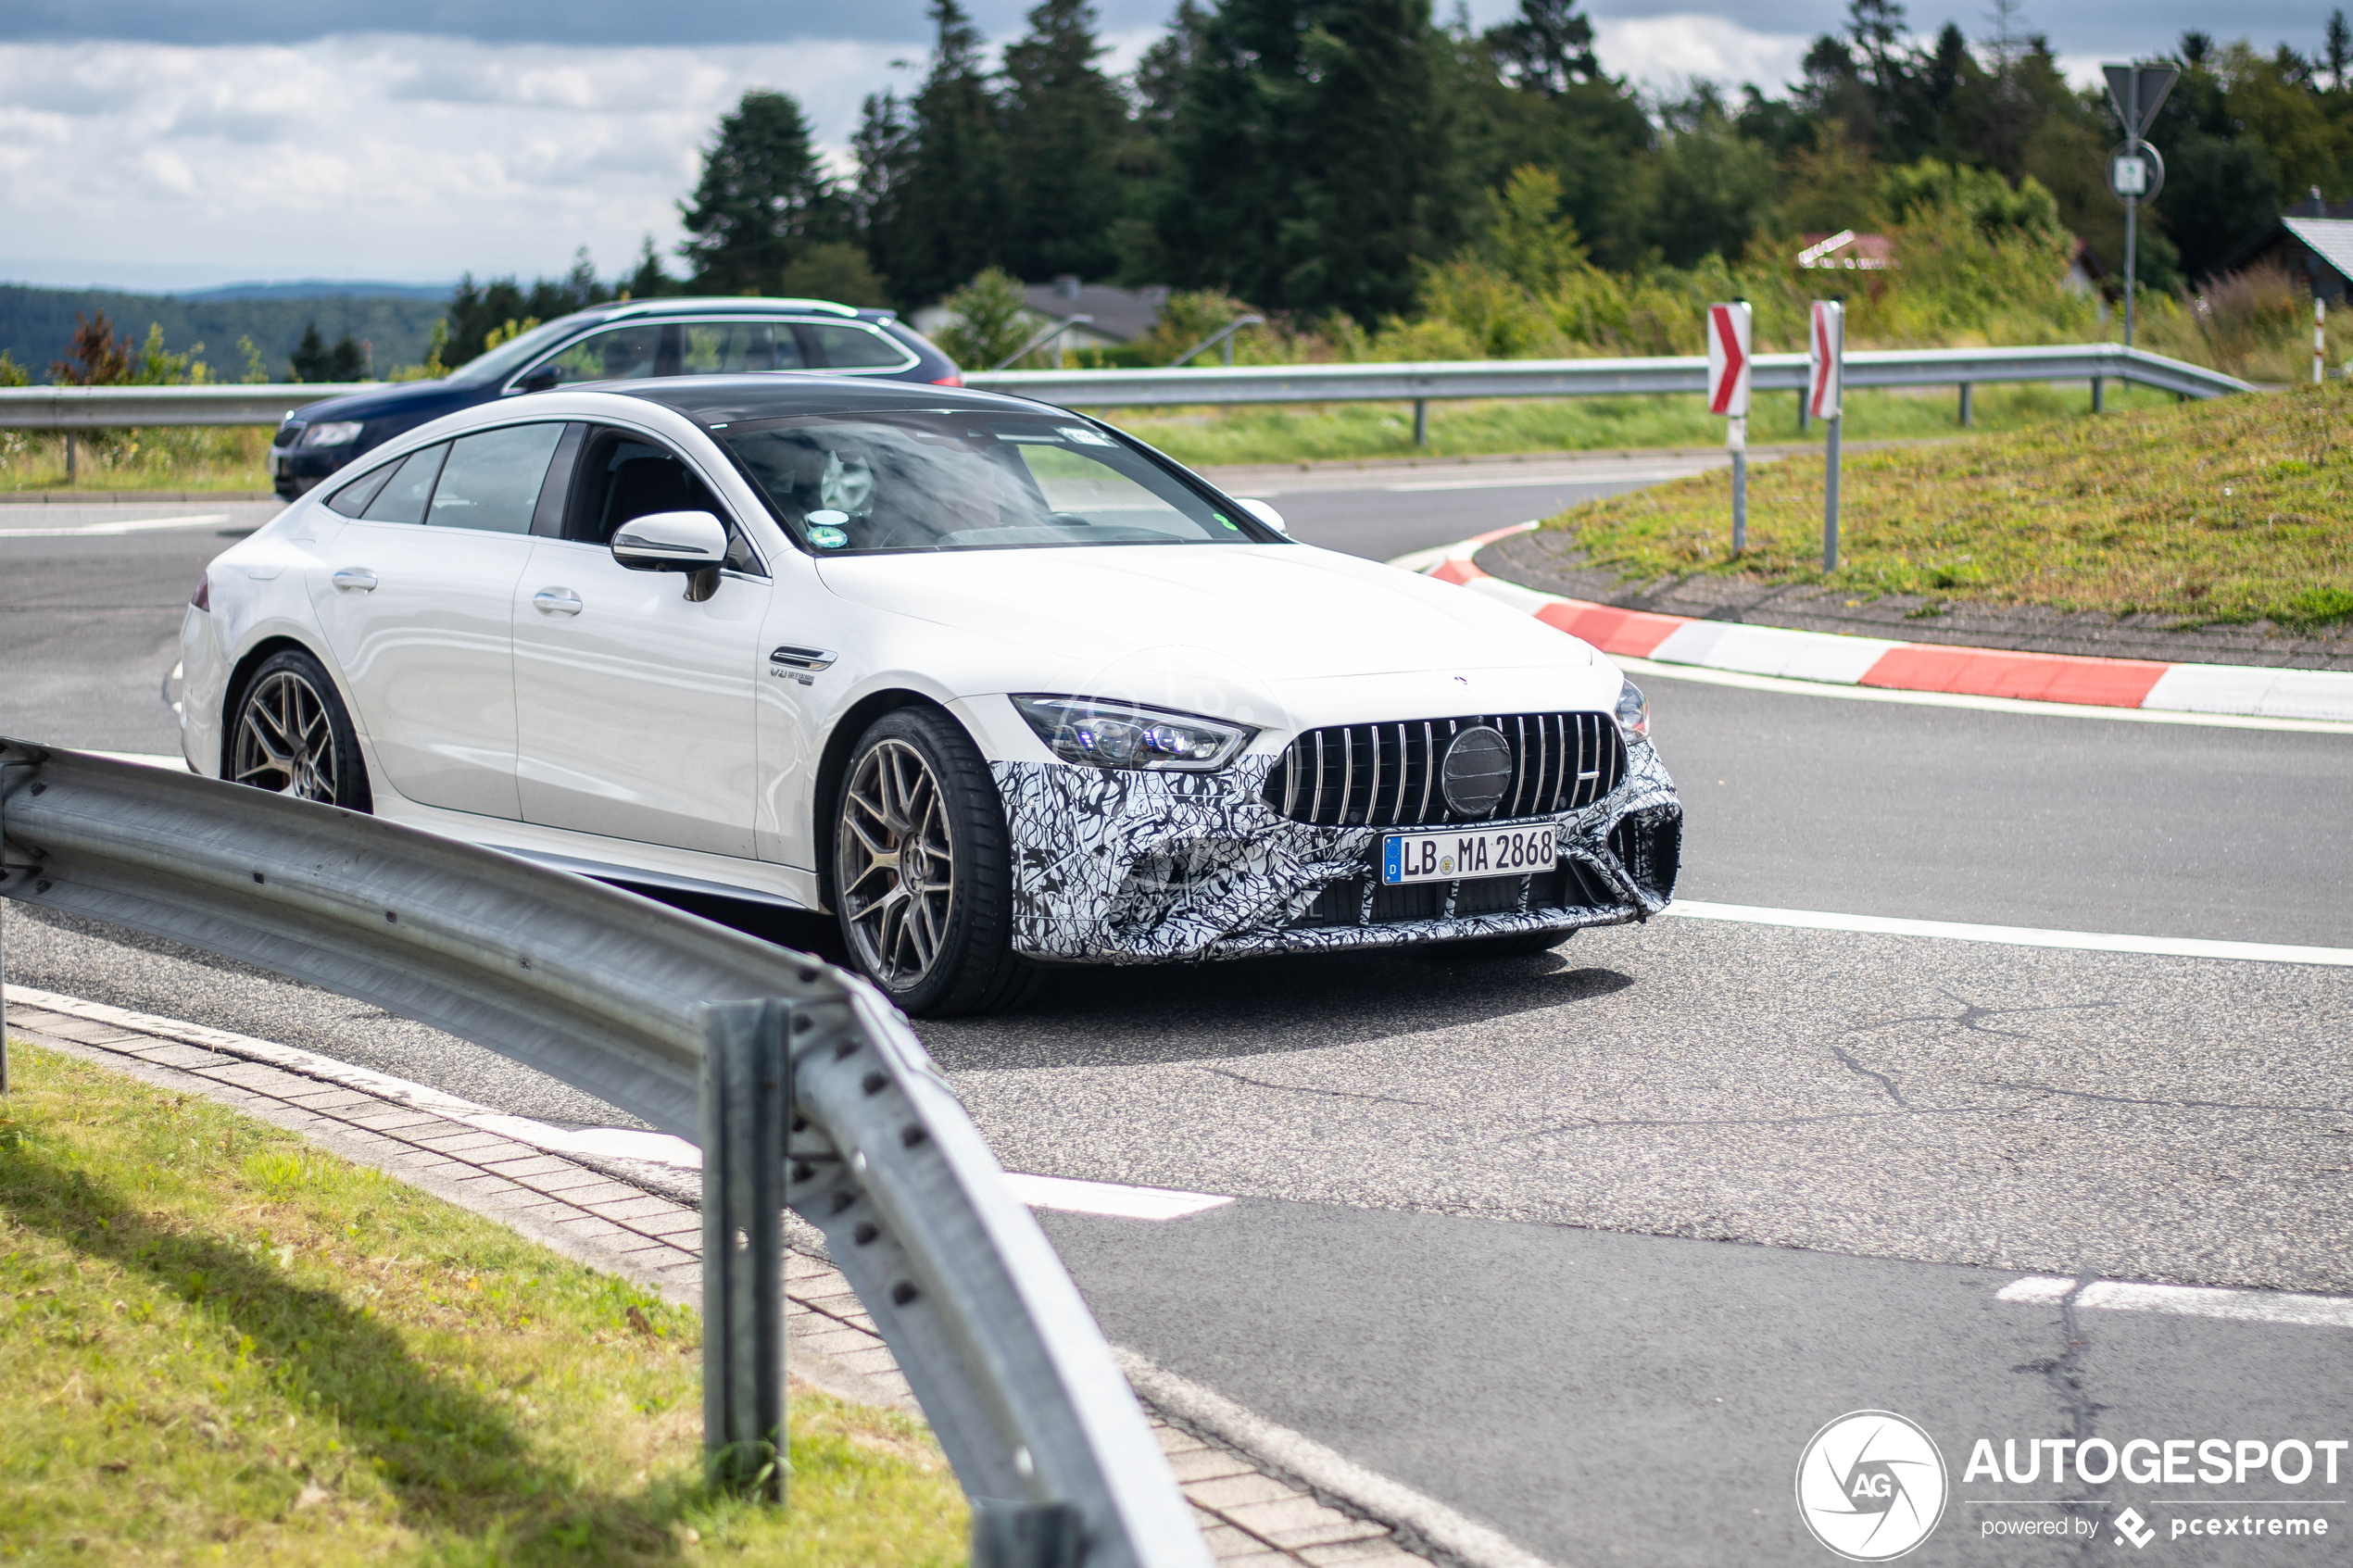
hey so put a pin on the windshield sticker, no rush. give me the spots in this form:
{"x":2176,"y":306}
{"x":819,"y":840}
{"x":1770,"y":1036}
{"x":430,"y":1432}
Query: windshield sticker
{"x":826,"y":536}
{"x":1084,"y":436}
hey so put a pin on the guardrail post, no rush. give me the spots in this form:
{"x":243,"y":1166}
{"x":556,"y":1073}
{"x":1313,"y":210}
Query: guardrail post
{"x":1421,"y":422}
{"x":1968,"y":415}
{"x":2100,"y":390}
{"x":747,"y":1099}
{"x":1830,"y":500}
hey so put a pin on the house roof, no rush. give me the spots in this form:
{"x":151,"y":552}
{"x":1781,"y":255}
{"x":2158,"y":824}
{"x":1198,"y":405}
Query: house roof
{"x":1121,"y":315}
{"x":2331,"y":238}
{"x":1848,"y":251}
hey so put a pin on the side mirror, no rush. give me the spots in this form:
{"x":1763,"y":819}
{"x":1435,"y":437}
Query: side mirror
{"x":544,"y":379}
{"x":671,"y":542}
{"x":1264,"y":514}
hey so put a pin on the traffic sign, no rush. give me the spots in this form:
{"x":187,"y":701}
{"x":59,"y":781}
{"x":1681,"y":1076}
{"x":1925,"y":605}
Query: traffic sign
{"x":1826,"y":355}
{"x":2137,"y":91}
{"x":2134,"y":171}
{"x":1728,"y":359}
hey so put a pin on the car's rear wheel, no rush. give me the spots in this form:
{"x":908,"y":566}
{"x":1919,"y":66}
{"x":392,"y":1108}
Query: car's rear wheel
{"x":291,"y":734}
{"x":923,"y":873}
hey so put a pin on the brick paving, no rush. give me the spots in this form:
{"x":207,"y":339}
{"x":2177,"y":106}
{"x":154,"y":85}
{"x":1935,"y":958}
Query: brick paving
{"x":1250,"y":1518}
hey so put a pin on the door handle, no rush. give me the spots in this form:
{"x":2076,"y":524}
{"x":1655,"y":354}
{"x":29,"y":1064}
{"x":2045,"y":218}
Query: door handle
{"x":356,"y":579}
{"x":556,"y":601}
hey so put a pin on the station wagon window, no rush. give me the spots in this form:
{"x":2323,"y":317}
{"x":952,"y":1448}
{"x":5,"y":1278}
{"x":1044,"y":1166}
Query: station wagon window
{"x":739,"y":348}
{"x":848,"y":346}
{"x":492,"y":479}
{"x":963,"y":480}
{"x":632,"y":353}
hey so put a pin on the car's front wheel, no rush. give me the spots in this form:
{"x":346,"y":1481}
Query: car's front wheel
{"x":290,"y":734}
{"x":923,"y":873}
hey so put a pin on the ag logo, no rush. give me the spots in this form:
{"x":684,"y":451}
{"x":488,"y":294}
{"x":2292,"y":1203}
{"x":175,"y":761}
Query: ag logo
{"x":1870,"y":1486}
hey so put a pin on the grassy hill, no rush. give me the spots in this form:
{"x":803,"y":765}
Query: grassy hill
{"x":2234,"y":510}
{"x":36,"y":324}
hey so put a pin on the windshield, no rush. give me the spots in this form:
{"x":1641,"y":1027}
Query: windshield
{"x":511,"y":355}
{"x":969,"y":480}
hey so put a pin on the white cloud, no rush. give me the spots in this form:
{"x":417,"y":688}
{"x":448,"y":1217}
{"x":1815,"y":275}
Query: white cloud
{"x":382,"y":156}
{"x":1664,"y":52}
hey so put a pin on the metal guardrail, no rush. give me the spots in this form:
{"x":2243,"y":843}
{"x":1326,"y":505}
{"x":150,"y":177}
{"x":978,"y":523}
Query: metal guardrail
{"x":98,"y":408}
{"x":114,"y":408}
{"x":802,"y":1084}
{"x":1596,"y":378}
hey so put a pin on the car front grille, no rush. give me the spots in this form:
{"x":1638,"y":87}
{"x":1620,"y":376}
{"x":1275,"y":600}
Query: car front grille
{"x":1384,"y":775}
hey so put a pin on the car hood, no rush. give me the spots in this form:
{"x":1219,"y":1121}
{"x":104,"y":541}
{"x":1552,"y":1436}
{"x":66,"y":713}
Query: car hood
{"x":413,"y":401}
{"x":1272,"y":613}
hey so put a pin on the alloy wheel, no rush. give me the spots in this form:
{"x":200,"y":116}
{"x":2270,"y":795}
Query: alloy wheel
{"x":286,"y":739}
{"x":896,"y":863}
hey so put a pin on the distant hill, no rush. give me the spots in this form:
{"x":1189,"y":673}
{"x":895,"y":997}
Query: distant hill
{"x":394,"y":320}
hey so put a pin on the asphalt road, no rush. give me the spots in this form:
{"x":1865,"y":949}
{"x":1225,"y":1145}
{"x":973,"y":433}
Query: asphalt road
{"x":1587,"y":1245}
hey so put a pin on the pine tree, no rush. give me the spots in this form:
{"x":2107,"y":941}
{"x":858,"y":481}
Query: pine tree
{"x":765,"y":196}
{"x":1065,"y":124}
{"x":931,"y":181}
{"x":1233,"y":173}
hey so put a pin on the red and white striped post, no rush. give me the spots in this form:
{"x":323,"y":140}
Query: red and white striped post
{"x":2320,"y":339}
{"x":1728,"y":375}
{"x":1826,"y":355}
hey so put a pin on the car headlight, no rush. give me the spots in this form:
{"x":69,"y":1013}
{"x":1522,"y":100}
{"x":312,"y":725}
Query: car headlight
{"x":1128,"y":735}
{"x":1633,"y":710}
{"x":337,"y":433}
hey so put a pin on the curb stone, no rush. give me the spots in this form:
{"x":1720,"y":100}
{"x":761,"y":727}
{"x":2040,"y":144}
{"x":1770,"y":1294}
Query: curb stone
{"x":647,"y":1230}
{"x":2319,"y":697}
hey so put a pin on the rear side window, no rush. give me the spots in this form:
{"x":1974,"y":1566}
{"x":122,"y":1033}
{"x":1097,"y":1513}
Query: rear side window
{"x":353,"y":498}
{"x":847,"y":346}
{"x":407,"y":493}
{"x":492,"y":479}
{"x":620,"y":354}
{"x":736,"y":347}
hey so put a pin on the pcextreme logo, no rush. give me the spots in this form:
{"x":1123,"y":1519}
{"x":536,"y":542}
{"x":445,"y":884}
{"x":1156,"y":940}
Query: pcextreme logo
{"x":1870,"y":1486}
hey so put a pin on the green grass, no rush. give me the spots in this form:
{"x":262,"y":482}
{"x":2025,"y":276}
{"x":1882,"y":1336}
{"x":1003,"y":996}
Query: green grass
{"x":2233,"y":510}
{"x":1301,"y":432}
{"x":220,"y":1344}
{"x":189,"y":458}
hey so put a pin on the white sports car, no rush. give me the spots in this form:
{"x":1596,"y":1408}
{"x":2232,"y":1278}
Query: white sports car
{"x":997,"y":685}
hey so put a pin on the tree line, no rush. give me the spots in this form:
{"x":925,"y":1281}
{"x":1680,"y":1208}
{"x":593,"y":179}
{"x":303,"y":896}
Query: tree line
{"x":1318,"y":156}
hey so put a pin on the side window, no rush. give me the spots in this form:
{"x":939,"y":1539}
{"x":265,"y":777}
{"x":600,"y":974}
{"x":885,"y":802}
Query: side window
{"x":736,"y":347}
{"x":629,"y":353}
{"x":405,"y":495}
{"x":622,"y":476}
{"x":353,"y":498}
{"x":492,"y":479}
{"x":857,"y":347}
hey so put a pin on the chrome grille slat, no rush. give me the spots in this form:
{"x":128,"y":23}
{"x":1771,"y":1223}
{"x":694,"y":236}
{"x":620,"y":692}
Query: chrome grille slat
{"x":1549,"y":752}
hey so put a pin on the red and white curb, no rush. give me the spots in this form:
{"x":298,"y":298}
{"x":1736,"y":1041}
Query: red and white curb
{"x":2312,"y":695}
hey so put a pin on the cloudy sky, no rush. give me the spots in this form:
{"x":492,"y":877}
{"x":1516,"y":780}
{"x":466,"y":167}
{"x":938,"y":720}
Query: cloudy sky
{"x":181,"y":144}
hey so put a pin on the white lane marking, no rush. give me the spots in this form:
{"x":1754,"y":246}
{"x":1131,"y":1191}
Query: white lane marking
{"x":1549,"y":480}
{"x":1109,"y":1197}
{"x":1325,"y":1470}
{"x":1645,"y":666}
{"x":143,"y":759}
{"x":2013,"y":935}
{"x":2187,"y":1300}
{"x":95,"y":529}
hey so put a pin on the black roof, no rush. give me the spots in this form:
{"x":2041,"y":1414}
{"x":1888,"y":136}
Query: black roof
{"x":775,"y":393}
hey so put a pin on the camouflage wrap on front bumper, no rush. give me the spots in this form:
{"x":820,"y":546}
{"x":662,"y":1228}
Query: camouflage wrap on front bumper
{"x":1112,"y":867}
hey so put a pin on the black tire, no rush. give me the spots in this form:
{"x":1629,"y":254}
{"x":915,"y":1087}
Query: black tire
{"x":288,"y":732}
{"x":917,"y":795}
{"x":1482,"y":949}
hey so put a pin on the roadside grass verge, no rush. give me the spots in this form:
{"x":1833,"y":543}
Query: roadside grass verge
{"x":1476,"y":427}
{"x":2221,"y":513}
{"x":184,"y":457}
{"x":222,"y":1344}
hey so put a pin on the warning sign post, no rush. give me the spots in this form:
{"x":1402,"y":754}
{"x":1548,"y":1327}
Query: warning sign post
{"x":1728,"y":375}
{"x":1826,"y":367}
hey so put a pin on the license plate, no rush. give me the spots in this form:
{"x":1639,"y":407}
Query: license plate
{"x":1468,"y":852}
